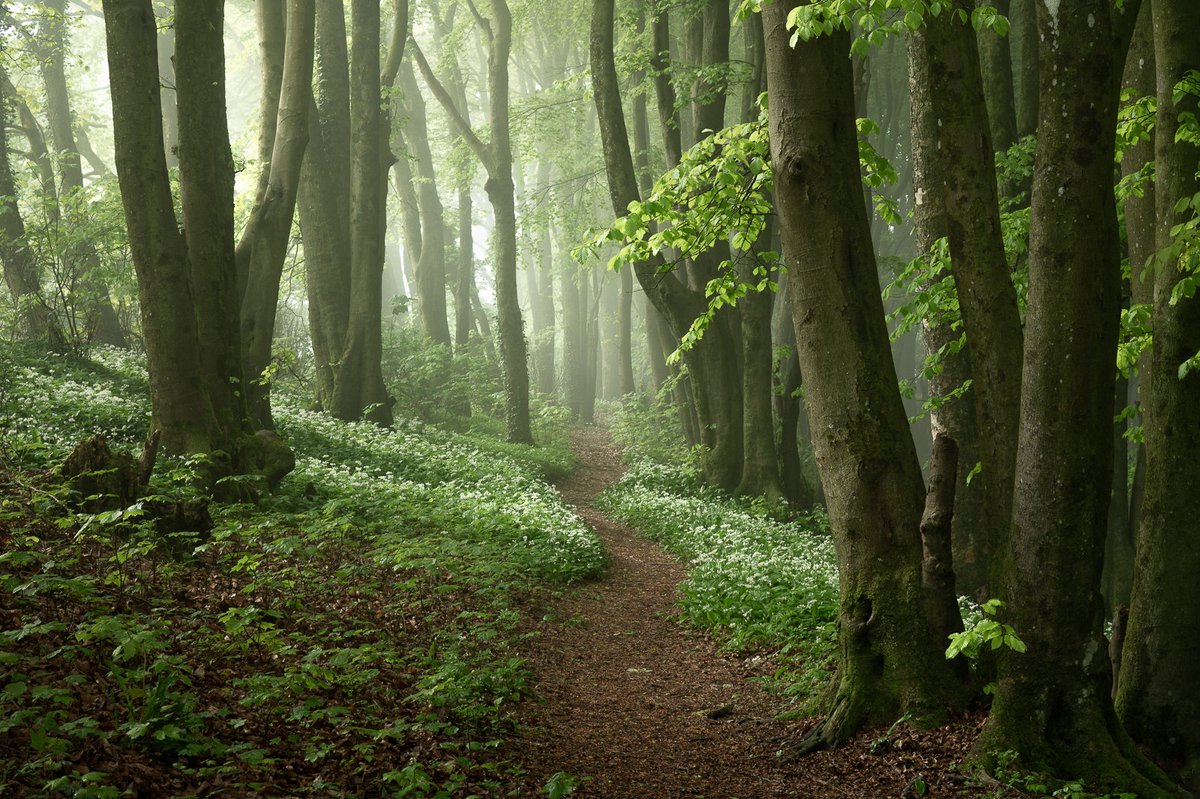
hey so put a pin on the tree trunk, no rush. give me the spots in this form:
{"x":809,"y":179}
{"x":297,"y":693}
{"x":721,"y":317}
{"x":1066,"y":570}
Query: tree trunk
{"x":1024,"y":27}
{"x":716,"y":357}
{"x":431,"y":265}
{"x":497,"y":159}
{"x":956,"y":418}
{"x":21,"y":273}
{"x":1140,"y":230}
{"x":104,"y":326}
{"x":995,"y":61}
{"x":264,"y":244}
{"x":1052,"y":703}
{"x":359,"y":391}
{"x":789,"y":407}
{"x":1161,"y":660}
{"x":181,"y":406}
{"x":206,"y":196}
{"x":966,"y":181}
{"x":891,"y":660}
{"x":323,"y":200}
{"x":541,"y":296}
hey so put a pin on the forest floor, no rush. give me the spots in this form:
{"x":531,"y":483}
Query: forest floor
{"x":631,"y":704}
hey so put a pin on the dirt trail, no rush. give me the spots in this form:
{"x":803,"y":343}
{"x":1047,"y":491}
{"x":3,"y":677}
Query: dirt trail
{"x":626,"y":691}
{"x":645,"y":708}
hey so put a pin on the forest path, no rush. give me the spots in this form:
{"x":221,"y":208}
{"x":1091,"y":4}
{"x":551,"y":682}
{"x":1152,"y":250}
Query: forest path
{"x":630,"y":699}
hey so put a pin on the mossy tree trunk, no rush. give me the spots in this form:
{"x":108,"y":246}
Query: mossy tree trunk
{"x":1052,"y":703}
{"x":359,"y":391}
{"x":891,"y":658}
{"x":496,"y":155}
{"x":996,"y":65}
{"x":955,"y":418}
{"x":194,"y":377}
{"x":262,"y":250}
{"x":1157,"y":699}
{"x":964,"y":182}
{"x":323,"y":199}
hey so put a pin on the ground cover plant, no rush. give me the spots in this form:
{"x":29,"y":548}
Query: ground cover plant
{"x":763,"y":581}
{"x":354,"y":635}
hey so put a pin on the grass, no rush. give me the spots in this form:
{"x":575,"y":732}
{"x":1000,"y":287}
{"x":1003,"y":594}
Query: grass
{"x":355,"y":635}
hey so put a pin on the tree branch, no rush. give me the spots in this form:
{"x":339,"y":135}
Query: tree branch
{"x":481,"y":150}
{"x":481,"y":19}
{"x":395,"y":55}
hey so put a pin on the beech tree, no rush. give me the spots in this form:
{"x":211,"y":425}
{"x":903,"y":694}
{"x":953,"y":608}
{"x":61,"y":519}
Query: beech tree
{"x":187,"y":286}
{"x":1161,"y":657}
{"x":1052,"y":703}
{"x":287,"y":34}
{"x":497,"y":159}
{"x":891,"y":654}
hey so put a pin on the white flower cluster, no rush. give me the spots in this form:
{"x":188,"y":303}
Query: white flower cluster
{"x":749,"y":574}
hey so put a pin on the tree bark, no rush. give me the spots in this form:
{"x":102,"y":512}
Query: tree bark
{"x":431,"y":265}
{"x":359,"y":391}
{"x":104,"y":326}
{"x":206,"y":196}
{"x":497,"y":159}
{"x":264,"y":244}
{"x":323,"y":200}
{"x":1052,"y":703}
{"x":966,"y":181}
{"x":1162,"y":651}
{"x":995,"y":59}
{"x":891,"y":660}
{"x":1140,"y":230}
{"x":716,"y":357}
{"x":956,"y":418}
{"x":181,"y":406}
{"x":1024,"y":25}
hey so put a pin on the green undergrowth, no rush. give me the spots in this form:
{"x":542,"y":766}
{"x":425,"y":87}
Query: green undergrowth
{"x":355,"y":635}
{"x":763,"y":581}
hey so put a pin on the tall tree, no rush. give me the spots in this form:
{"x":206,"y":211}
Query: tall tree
{"x":194,"y":380}
{"x":21,"y":272}
{"x":966,"y":182}
{"x":891,"y":653}
{"x":262,"y":250}
{"x":323,"y":199}
{"x":953,"y":418}
{"x":497,"y":159}
{"x":717,"y":398}
{"x":995,"y":58}
{"x":431,"y":252}
{"x":359,"y":391}
{"x":1052,"y":703}
{"x":104,"y":325}
{"x":1161,"y":657}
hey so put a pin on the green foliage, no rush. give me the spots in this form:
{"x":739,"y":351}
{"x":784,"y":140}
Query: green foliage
{"x":874,"y":20}
{"x":721,"y":192}
{"x":649,"y":430}
{"x":1008,"y":777}
{"x":931,"y":297}
{"x":359,"y":627}
{"x":983,"y":631}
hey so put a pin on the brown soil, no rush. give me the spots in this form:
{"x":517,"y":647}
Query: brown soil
{"x":642,"y":707}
